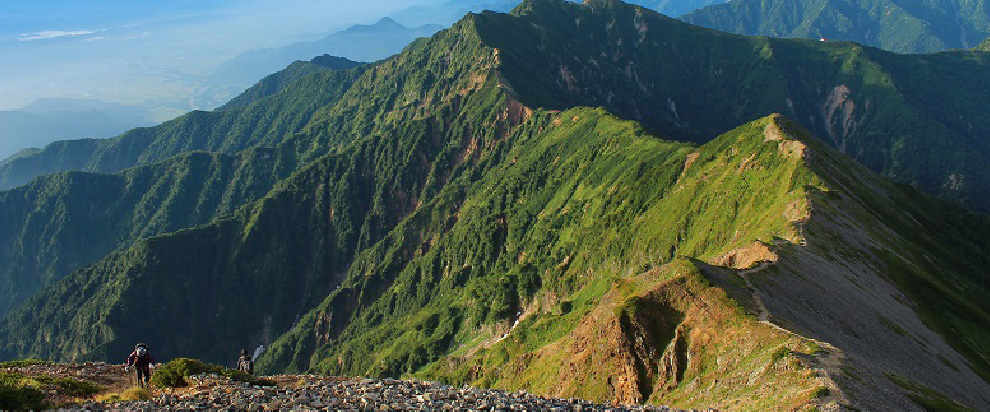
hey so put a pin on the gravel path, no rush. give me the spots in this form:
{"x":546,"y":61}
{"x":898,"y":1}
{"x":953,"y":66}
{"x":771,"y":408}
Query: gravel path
{"x":210,"y":392}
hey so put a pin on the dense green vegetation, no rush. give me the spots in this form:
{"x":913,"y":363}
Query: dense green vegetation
{"x":904,"y":27}
{"x":59,"y":222}
{"x":578,"y":206}
{"x":325,"y":213}
{"x":50,"y":224}
{"x":286,"y":78}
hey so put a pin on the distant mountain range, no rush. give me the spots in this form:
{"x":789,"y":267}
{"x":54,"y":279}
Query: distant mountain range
{"x":359,"y":42}
{"x":48,"y":120}
{"x":900,"y":26}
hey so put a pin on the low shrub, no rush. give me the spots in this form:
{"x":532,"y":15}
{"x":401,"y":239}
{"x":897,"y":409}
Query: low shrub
{"x":174,"y":373}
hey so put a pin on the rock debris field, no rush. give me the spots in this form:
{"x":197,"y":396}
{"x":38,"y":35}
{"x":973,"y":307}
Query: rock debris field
{"x":211,"y":392}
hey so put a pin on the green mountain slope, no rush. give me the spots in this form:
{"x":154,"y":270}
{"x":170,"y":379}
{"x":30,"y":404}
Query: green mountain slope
{"x":361,"y":192}
{"x":557,"y":242}
{"x":60,"y":222}
{"x":285,"y":78}
{"x":543,"y":258}
{"x":264,"y":122}
{"x":899,"y":26}
{"x":44,"y":245}
{"x":882,"y":109}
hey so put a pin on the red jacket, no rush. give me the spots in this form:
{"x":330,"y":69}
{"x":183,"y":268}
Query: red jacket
{"x":142,"y":361}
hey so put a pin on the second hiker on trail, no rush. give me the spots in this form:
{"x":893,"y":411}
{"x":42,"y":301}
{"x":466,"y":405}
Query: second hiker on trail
{"x":141,"y":360}
{"x":245,"y":363}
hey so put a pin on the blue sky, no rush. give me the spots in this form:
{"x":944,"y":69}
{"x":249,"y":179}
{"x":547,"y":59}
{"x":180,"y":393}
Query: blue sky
{"x":136,"y":51}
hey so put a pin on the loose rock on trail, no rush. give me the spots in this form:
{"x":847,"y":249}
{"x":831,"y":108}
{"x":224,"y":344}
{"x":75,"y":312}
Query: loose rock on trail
{"x":311,"y":392}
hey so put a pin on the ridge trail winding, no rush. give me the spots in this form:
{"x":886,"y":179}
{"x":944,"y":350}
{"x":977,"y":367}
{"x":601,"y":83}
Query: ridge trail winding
{"x":829,"y":359}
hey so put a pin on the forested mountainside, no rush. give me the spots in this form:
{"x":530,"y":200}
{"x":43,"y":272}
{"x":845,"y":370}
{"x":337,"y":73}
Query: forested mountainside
{"x":38,"y":213}
{"x":899,"y":26}
{"x":456,"y":216}
{"x":247,"y":121}
{"x":294,"y":72}
{"x":59,"y":222}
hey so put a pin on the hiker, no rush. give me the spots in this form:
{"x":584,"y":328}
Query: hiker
{"x":245,"y":363}
{"x":141,"y":360}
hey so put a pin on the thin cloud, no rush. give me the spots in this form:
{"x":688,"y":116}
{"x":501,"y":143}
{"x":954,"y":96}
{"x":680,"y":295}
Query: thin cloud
{"x":42,"y":35}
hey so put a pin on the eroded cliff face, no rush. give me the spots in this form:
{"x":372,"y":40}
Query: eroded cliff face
{"x":840,"y":116}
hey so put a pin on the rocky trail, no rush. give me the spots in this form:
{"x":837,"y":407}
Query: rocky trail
{"x":829,"y":359}
{"x":307,"y":392}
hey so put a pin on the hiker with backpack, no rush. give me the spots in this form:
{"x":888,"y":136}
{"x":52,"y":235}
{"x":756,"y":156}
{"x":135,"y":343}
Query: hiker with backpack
{"x":141,"y":360}
{"x":245,"y":363}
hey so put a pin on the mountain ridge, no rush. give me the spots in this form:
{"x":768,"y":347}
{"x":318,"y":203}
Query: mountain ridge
{"x":322,"y":328}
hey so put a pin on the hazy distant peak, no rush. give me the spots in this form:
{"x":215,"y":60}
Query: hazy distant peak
{"x":388,"y":21}
{"x":384,"y":23}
